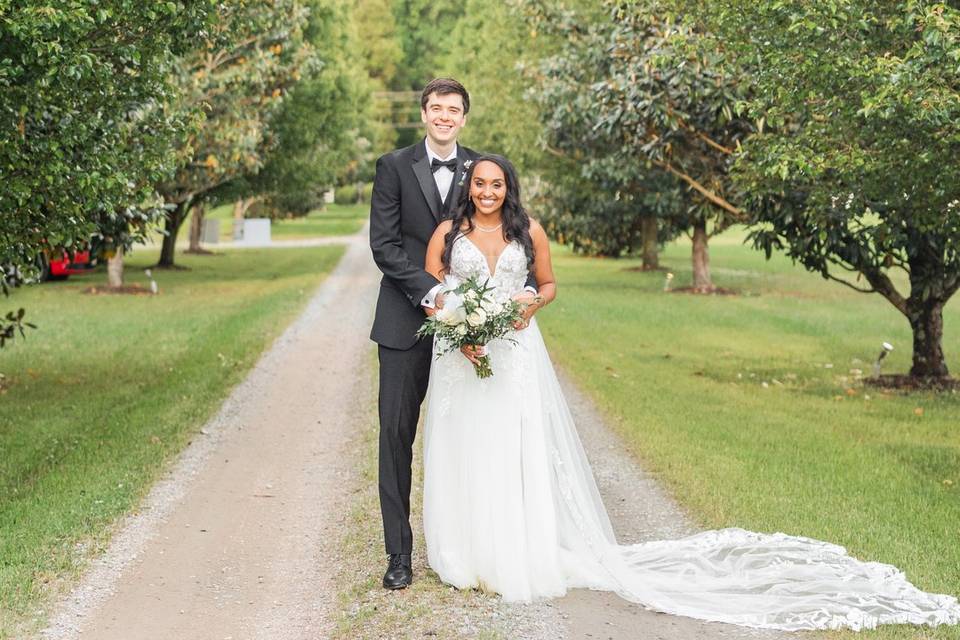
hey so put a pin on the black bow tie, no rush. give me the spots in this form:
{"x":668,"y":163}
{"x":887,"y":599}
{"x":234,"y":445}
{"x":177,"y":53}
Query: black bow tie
{"x":449,"y":164}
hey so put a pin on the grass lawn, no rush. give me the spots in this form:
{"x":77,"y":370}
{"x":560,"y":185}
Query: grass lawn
{"x":110,"y":388}
{"x":334,"y":220}
{"x":751,"y":410}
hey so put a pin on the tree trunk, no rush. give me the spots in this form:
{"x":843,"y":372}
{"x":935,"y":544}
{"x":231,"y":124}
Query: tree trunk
{"x":651,"y":257}
{"x":926,"y":320}
{"x":701,"y":259}
{"x":174,"y":219}
{"x":196,"y":226}
{"x":115,"y":269}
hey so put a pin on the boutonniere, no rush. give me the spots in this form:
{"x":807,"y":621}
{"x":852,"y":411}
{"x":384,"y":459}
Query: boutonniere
{"x":466,"y":167}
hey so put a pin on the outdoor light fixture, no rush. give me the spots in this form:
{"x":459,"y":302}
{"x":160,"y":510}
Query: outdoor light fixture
{"x":154,"y":289}
{"x":887,"y":348}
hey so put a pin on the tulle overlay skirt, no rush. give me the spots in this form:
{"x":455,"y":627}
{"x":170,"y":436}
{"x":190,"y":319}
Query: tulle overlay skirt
{"x":511,"y":506}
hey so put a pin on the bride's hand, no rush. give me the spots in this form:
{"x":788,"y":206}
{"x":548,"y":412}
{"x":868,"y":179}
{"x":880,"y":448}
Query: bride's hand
{"x":473,"y":352}
{"x":530,"y":302}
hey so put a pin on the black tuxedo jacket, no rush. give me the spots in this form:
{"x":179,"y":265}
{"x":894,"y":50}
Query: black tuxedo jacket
{"x":405,"y":210}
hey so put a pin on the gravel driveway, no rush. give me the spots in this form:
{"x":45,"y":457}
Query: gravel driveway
{"x":243,"y":537}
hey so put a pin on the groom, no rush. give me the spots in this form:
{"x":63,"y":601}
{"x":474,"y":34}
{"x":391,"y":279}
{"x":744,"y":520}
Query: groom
{"x":414,"y":189}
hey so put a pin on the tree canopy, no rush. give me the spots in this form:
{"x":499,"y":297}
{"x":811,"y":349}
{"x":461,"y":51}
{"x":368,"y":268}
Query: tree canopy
{"x":234,"y":81}
{"x":855,"y":175}
{"x":84,"y":94}
{"x":83,"y":97}
{"x":831,"y":129}
{"x":316,"y":130}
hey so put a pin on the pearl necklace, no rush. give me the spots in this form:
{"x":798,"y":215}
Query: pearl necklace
{"x":488,"y":229}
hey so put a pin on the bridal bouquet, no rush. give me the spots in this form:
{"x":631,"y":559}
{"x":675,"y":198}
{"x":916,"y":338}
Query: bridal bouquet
{"x":471,"y":316}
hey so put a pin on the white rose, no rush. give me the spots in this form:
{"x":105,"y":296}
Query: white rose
{"x":491,"y":306}
{"x":461,"y":330}
{"x":470,"y":295}
{"x":477,"y":318}
{"x":451,"y":299}
{"x":452,"y":311}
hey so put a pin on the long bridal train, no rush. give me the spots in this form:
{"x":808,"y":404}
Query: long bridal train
{"x":510,"y":505}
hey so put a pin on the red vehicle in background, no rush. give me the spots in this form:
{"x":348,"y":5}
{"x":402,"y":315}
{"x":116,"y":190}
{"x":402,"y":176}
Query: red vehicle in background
{"x":67,"y":264}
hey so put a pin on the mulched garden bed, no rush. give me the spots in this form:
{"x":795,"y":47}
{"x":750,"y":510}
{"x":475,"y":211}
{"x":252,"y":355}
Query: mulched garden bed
{"x":645,"y":269}
{"x":127,"y":289}
{"x":717,"y":291}
{"x":902,"y":382}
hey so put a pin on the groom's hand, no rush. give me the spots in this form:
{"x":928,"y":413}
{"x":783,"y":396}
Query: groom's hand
{"x":437,"y":305}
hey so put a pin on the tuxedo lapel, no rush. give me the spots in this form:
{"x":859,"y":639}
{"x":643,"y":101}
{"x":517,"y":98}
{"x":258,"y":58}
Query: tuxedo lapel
{"x":454,"y":194}
{"x":421,"y":167}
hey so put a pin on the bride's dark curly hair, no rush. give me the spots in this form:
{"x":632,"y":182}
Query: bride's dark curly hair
{"x":516,"y":222}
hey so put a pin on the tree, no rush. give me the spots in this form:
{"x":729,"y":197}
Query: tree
{"x":380,"y":51}
{"x":233,"y":81}
{"x":317,"y":125}
{"x":117,"y":232}
{"x":85,"y":132}
{"x":492,"y":69}
{"x":587,"y":201}
{"x":380,"y":47}
{"x":423,"y":29}
{"x":501,"y":71}
{"x":856,"y":175}
{"x":602,"y":216}
{"x":670,"y":97}
{"x":642,"y":105}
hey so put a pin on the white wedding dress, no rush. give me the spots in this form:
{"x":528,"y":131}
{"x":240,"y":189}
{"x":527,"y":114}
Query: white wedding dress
{"x":510,"y":505}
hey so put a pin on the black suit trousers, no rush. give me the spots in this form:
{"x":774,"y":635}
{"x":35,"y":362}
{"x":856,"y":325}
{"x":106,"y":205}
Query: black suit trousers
{"x":404,"y":375}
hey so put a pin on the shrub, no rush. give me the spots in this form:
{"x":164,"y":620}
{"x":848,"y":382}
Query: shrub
{"x":347,"y":194}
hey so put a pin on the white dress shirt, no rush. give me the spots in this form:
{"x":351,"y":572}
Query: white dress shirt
{"x":444,"y":175}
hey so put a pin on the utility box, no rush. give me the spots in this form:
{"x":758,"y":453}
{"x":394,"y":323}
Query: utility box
{"x":210,"y":231}
{"x":256,"y":232}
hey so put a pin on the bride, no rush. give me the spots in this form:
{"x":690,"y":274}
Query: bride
{"x":510,"y":504}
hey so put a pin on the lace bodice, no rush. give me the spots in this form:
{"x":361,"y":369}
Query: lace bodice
{"x":510,"y":273}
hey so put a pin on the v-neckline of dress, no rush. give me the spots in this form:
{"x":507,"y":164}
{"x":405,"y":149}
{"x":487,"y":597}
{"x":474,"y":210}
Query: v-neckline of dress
{"x":496,"y":263}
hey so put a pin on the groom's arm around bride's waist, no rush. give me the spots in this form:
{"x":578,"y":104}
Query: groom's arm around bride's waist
{"x":400,"y":257}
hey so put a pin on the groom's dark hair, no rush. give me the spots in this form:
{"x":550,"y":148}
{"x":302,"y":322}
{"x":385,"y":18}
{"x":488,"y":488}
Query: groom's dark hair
{"x":442,"y":87}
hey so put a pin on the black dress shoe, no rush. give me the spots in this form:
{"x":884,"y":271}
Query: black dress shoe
{"x":399,"y":575}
